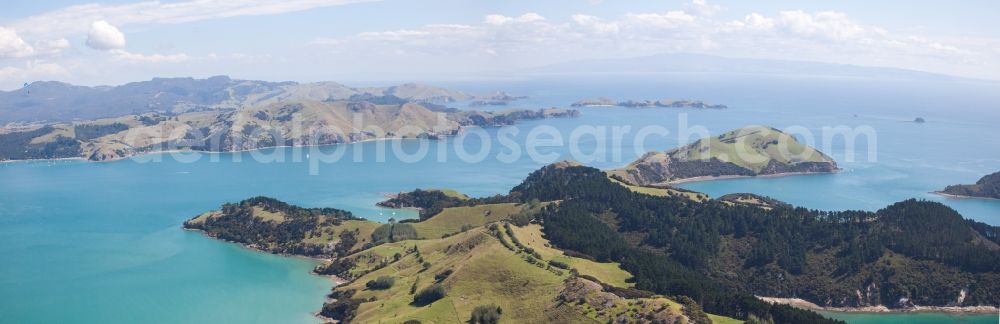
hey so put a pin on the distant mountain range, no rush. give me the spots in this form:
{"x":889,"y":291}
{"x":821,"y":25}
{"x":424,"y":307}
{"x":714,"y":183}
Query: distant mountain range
{"x":701,"y":63}
{"x":51,"y":101}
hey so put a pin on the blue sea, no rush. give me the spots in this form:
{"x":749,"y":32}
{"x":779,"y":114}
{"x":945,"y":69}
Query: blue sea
{"x":102,"y":242}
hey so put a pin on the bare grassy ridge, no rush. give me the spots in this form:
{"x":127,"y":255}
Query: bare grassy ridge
{"x":288,"y":123}
{"x":475,"y":269}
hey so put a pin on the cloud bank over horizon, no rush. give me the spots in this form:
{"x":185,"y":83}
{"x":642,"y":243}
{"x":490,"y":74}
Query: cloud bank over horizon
{"x":292,"y":40}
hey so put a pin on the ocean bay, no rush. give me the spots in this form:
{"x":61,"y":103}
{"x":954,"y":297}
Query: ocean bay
{"x":118,"y":254}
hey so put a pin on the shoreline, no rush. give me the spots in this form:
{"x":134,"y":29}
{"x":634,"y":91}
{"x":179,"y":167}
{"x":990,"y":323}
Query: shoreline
{"x":954,"y":196}
{"x":208,"y":152}
{"x":143,"y":154}
{"x":44,"y":160}
{"x":336,"y":280}
{"x":452,"y":133}
{"x":880,"y":309}
{"x":730,"y":177}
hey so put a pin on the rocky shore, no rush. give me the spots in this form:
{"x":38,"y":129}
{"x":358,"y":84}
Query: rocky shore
{"x":801,"y":303}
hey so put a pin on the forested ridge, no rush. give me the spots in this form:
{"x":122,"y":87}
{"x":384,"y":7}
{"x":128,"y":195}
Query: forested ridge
{"x":430,"y":202}
{"x":237,"y":223}
{"x":19,"y":146}
{"x":912,"y":252}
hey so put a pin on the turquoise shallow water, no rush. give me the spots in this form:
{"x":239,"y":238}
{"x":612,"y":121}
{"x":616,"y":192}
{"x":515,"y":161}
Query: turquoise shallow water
{"x":101,"y":242}
{"x":912,"y":318}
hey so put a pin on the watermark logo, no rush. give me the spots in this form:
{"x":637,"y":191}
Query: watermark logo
{"x":318,"y":143}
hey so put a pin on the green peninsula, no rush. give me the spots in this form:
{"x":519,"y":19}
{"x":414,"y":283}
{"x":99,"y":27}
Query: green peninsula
{"x":987,"y":187}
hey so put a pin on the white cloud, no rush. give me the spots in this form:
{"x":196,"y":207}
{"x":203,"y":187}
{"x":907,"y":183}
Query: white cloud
{"x":104,"y":36}
{"x":72,"y":20}
{"x":753,"y":22}
{"x":827,"y":24}
{"x":32,"y":70}
{"x":51,"y":46}
{"x":12,"y":46}
{"x":126,"y":56}
{"x":596,"y":24}
{"x":498,"y":20}
{"x":396,"y":35}
{"x":827,"y":29}
{"x":701,"y":7}
{"x":504,"y":42}
{"x":671,"y":19}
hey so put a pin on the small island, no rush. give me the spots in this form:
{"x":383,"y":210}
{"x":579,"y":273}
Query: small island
{"x":744,"y":152}
{"x":499,"y":98}
{"x":919,"y":120}
{"x":987,"y":187}
{"x":607,"y":102}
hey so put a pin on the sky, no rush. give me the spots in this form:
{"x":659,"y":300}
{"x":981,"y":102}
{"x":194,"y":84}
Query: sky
{"x":113,"y":42}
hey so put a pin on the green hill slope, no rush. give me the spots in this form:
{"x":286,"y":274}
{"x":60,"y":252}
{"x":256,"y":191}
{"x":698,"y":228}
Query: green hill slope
{"x":576,"y":223}
{"x":481,"y":260}
{"x":748,"y":151}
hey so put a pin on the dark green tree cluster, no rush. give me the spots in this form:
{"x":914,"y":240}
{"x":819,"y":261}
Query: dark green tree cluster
{"x":343,"y":308}
{"x":677,"y":239}
{"x":430,"y":202}
{"x":237,"y":223}
{"x":18,"y":146}
{"x":91,"y":131}
{"x":486,"y":314}
{"x":429,"y":295}
{"x":381,"y":283}
{"x":394,"y":232}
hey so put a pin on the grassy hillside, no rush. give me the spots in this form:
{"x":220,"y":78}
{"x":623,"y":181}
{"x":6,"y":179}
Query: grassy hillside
{"x":748,"y":151}
{"x":479,"y":259}
{"x":750,"y":147}
{"x":571,"y":244}
{"x":483,"y":267}
{"x":454,"y":219}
